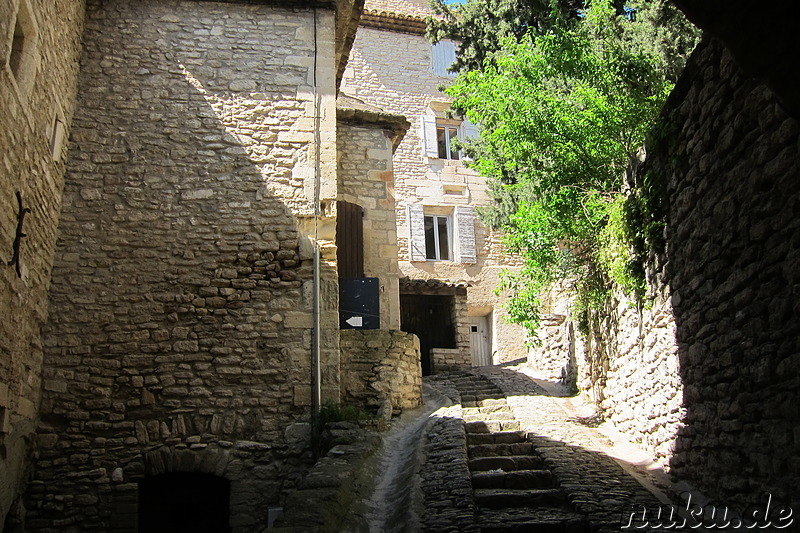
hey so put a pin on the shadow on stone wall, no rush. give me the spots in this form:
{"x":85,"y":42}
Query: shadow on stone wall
{"x":730,"y":166}
{"x":177,"y":316}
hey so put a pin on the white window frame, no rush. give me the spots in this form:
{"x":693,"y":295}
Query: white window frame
{"x":449,"y":151}
{"x":437,"y":249}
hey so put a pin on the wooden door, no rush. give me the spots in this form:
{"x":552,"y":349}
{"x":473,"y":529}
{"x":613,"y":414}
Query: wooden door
{"x":480,"y":341}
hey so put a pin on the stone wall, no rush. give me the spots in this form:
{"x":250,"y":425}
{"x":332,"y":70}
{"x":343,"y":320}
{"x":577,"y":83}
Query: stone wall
{"x":627,"y":364}
{"x":730,"y":165}
{"x":706,"y":376}
{"x":393,"y":71}
{"x":379,"y":365}
{"x":366,"y":179}
{"x":179,"y":336}
{"x":460,"y":357}
{"x":38,"y":76}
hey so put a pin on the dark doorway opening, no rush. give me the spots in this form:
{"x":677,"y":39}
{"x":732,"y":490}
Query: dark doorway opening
{"x":183,"y":502}
{"x":430,"y":318}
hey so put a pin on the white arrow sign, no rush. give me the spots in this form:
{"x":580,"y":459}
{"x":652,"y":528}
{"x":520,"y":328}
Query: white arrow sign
{"x":355,"y":321}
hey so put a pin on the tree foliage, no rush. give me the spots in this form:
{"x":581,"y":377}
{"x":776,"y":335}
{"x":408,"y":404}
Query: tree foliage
{"x":480,"y":26}
{"x":563,"y":111}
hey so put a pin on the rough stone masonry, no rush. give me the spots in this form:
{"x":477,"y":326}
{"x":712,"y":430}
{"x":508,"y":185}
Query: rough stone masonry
{"x":180,"y":311}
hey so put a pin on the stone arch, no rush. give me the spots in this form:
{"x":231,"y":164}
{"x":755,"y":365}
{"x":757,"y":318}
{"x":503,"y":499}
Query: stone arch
{"x":167,"y":459}
{"x":212,"y":461}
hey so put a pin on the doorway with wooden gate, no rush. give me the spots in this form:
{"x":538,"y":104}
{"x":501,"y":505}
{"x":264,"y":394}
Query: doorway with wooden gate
{"x":429,"y":317}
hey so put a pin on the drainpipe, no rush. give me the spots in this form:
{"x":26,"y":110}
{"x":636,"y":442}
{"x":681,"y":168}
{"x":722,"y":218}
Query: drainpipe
{"x":316,"y":375}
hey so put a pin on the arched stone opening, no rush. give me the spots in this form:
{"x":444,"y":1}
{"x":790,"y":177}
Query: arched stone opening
{"x":184,"y":502}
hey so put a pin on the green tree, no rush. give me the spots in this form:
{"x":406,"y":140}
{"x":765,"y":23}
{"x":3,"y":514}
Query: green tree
{"x":563,"y":112}
{"x":480,"y":26}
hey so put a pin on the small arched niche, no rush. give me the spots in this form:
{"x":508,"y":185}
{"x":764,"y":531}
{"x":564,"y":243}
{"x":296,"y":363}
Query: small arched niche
{"x":178,"y":502}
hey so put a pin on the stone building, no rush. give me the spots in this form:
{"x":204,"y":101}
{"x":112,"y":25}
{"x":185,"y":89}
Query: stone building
{"x":449,"y":260}
{"x":164,"y":314}
{"x":39,"y":50}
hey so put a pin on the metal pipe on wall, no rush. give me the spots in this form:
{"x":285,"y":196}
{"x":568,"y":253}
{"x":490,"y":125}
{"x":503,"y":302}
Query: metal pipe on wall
{"x":316,"y":374}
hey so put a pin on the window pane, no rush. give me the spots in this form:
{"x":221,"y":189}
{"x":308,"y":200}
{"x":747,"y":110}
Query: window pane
{"x":430,"y":239}
{"x":444,"y":238}
{"x":453,"y":134}
{"x":441,"y":141}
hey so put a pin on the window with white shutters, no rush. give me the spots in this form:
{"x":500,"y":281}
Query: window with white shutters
{"x":435,"y":236}
{"x":438,"y":137}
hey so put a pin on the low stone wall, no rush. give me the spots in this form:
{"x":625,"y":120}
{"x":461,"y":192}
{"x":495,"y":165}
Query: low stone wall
{"x":380,"y":365}
{"x":447,"y":359}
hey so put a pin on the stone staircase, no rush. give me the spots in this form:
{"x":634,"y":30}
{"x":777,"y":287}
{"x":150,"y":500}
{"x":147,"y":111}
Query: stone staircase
{"x":513,"y":490}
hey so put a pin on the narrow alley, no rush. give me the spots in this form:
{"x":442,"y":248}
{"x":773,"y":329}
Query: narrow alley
{"x":508,"y":456}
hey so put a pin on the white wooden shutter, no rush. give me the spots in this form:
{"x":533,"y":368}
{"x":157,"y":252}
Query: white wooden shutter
{"x":444,"y":55}
{"x":416,"y":232}
{"x":429,"y":145}
{"x":465,"y":228}
{"x":470,"y":130}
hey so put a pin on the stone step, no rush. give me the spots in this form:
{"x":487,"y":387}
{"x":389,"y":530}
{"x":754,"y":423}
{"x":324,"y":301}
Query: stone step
{"x":484,"y":410}
{"x":484,"y":403}
{"x":482,"y":400}
{"x":490,"y":450}
{"x":497,"y":415}
{"x":504,"y":498}
{"x":492,"y":426}
{"x":506,"y":464}
{"x":538,"y":520}
{"x":519,"y":479}
{"x":501,"y":437}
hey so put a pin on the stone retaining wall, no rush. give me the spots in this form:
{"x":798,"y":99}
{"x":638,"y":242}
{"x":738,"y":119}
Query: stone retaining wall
{"x":379,"y":365}
{"x":627,"y":365}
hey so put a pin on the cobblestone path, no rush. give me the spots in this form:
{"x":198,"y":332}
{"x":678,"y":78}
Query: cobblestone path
{"x":506,"y":458}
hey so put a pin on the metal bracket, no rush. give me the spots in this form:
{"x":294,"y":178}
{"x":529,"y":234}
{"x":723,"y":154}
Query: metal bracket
{"x":20,"y":235}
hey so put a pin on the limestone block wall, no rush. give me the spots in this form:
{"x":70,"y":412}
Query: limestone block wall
{"x":380,"y":365}
{"x":366,"y":179}
{"x":460,"y":357}
{"x":179,"y":335}
{"x":393,"y":70}
{"x":38,"y":76}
